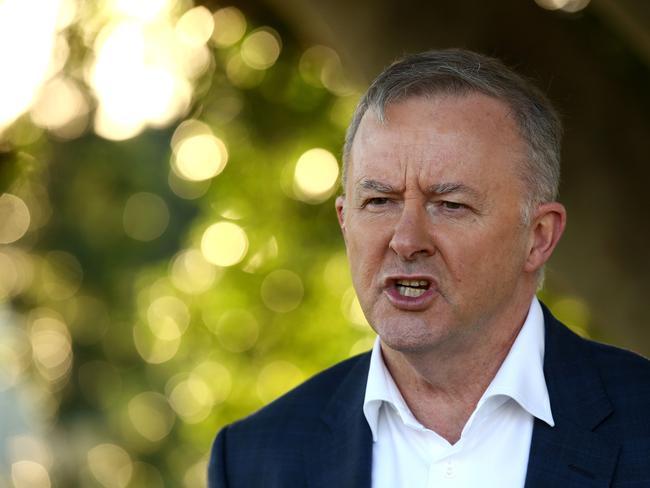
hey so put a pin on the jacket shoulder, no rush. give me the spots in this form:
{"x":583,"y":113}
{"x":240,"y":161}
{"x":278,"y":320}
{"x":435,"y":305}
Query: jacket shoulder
{"x":625,"y":374}
{"x":309,"y":398}
{"x":267,"y":447}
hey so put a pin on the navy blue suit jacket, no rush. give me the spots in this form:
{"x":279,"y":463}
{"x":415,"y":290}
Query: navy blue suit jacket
{"x":317,"y":435}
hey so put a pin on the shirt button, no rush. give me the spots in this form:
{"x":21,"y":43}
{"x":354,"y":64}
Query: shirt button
{"x":450,"y":470}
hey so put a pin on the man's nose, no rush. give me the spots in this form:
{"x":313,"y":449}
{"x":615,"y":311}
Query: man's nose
{"x":411,"y":236}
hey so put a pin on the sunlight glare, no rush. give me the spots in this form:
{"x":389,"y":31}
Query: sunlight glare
{"x":27,"y":32}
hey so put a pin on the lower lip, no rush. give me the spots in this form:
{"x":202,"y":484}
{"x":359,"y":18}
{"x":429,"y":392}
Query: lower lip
{"x":409,"y":303}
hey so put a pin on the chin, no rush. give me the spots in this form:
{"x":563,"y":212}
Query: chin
{"x":413,"y":339}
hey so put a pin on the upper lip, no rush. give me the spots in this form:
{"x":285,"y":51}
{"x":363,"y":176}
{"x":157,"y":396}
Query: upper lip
{"x":390,"y":280}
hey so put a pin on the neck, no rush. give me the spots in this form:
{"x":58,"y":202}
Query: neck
{"x":442,"y":386}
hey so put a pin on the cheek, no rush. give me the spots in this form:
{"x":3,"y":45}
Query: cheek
{"x":366,"y":252}
{"x":476,"y":259}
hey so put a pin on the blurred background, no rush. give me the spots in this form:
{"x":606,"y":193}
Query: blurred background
{"x":169,"y":254}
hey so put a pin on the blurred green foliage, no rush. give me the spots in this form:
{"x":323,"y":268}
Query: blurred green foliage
{"x":143,"y":399}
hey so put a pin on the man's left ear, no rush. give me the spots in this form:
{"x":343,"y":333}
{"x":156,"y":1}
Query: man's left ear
{"x":340,"y":204}
{"x":547,"y":227}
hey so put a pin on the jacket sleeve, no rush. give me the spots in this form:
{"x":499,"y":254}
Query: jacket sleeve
{"x":217,"y":476}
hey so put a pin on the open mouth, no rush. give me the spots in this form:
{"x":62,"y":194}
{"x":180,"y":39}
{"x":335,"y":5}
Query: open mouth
{"x":412,"y":288}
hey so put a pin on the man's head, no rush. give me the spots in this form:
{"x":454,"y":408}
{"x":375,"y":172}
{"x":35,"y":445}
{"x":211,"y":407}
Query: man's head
{"x":439,"y":174}
{"x":460,"y":72}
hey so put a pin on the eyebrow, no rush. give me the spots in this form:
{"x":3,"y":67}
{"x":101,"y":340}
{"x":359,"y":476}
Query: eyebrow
{"x":446,"y":188}
{"x":437,"y":189}
{"x":376,"y":185}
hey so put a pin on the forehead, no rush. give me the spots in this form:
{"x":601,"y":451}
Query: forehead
{"x":473,"y":136}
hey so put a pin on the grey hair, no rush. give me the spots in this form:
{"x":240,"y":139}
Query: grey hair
{"x":461,"y":72}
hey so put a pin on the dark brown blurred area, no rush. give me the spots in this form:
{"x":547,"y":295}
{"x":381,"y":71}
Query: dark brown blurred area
{"x":594,"y":66}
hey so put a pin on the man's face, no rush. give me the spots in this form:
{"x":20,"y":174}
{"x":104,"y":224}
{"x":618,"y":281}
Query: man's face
{"x":432,"y":220}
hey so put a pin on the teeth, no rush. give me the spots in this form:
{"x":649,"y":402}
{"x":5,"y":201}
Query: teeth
{"x":407,"y":291}
{"x":412,"y":283}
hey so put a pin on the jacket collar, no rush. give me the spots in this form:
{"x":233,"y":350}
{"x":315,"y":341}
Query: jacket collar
{"x":571,"y":453}
{"x":342,"y":456}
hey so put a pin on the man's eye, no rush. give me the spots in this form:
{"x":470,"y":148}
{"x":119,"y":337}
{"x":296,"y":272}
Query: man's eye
{"x":377,"y":201}
{"x":452,"y":205}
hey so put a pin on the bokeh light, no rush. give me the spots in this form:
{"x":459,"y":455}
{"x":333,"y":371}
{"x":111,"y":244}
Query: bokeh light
{"x":237,"y":330}
{"x":168,"y":317}
{"x":61,"y":108}
{"x":217,"y":377}
{"x":195,"y":26}
{"x":191,"y":273}
{"x":151,"y":415}
{"x":187,"y":129}
{"x":315,"y":175}
{"x":28,"y":447}
{"x":111,"y":465}
{"x":196,"y":475}
{"x":229,"y":26}
{"x":321,"y":66}
{"x":315,"y":63}
{"x":29,"y":474}
{"x":51,"y":348}
{"x":277,"y":378}
{"x":146,"y":476}
{"x":145,"y":216}
{"x":282,"y":290}
{"x":14,"y":218}
{"x":565,"y":5}
{"x":200,"y":157}
{"x":261,"y":48}
{"x":224,"y":244}
{"x":24,"y":264}
{"x":191,"y":398}
{"x":152,"y":348}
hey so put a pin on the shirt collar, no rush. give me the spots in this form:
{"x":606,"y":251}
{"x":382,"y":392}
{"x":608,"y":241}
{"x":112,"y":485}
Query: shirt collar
{"x":520,"y":377}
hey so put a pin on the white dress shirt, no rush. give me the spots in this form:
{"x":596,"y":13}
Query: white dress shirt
{"x":493,"y":447}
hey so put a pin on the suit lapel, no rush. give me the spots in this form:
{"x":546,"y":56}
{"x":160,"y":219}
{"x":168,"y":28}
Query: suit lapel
{"x":571,"y":453}
{"x":342,"y":454}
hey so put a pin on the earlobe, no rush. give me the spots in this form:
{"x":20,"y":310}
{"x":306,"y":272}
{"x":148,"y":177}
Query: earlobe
{"x":547,"y":228}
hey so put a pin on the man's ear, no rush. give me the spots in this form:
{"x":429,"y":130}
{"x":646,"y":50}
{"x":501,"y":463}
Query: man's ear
{"x":547,"y":227}
{"x":340,"y":204}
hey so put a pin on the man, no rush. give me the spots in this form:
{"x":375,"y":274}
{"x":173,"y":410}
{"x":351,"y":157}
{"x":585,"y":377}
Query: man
{"x":449,"y":215}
